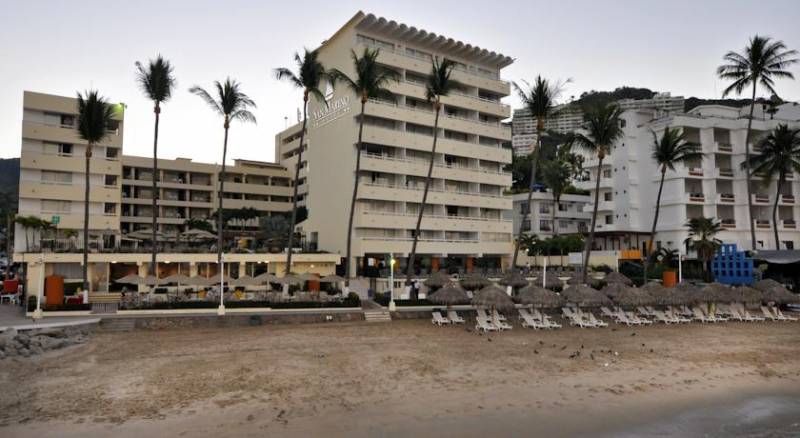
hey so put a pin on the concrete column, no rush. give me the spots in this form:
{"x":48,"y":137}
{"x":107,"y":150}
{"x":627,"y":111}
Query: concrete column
{"x":142,"y":273}
{"x":243,"y":269}
{"x":192,"y":269}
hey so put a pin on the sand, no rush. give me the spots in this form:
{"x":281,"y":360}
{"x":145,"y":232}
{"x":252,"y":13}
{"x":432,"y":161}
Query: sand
{"x":397,"y":379}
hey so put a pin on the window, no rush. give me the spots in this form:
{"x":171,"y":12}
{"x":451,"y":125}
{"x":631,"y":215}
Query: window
{"x":110,"y":180}
{"x":544,"y":208}
{"x":56,"y":206}
{"x":524,"y":208}
{"x":362,"y":39}
{"x":112,"y":153}
{"x":607,"y":196}
{"x":788,"y":244}
{"x":110,"y":208}
{"x":609,"y":219}
{"x":65,"y":149}
{"x":419,"y":54}
{"x":562,"y":206}
{"x":55,"y":177}
{"x":563,"y":224}
{"x":67,"y":121}
{"x":546,"y":225}
{"x":607,"y":173}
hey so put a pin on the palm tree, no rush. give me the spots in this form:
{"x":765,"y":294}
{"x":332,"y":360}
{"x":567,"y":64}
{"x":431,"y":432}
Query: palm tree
{"x":780,"y":156}
{"x":157,"y":82}
{"x":369,"y":83}
{"x":310,"y":74}
{"x":603,"y":128}
{"x":539,"y":99}
{"x":670,"y":150}
{"x":94,"y":117}
{"x":232,"y":104}
{"x":439,"y":84}
{"x":559,"y":173}
{"x":701,"y":239}
{"x":762,"y":61}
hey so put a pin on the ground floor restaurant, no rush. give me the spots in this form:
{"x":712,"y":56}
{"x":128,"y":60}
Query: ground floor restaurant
{"x":378,"y":265}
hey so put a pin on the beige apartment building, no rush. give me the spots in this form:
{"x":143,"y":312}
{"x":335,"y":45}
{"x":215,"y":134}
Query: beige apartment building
{"x":463,"y":224}
{"x":52,"y":169}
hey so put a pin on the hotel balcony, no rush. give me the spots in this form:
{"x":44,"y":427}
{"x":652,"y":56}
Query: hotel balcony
{"x":605,"y":183}
{"x":723,"y":147}
{"x":695,"y":171}
{"x":601,"y":206}
{"x":761,"y":199}
{"x":399,"y":193}
{"x":695,"y":198}
{"x":788,"y":224}
{"x":728,"y":223}
{"x":726,"y":198}
{"x":786,"y":200}
{"x":402,"y":245}
{"x":388,"y":164}
{"x":724,"y":173}
{"x":591,"y":163}
{"x":405,"y":221}
{"x":762,"y":224}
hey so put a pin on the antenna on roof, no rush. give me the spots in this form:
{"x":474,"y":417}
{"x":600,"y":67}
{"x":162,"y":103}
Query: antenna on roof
{"x":285,"y":122}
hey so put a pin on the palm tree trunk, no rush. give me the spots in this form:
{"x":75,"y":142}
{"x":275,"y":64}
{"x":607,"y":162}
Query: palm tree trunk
{"x":588,"y":245}
{"x":153,"y":265}
{"x":353,"y":200}
{"x":648,"y":247}
{"x":413,"y":254}
{"x":775,"y":212}
{"x":296,"y":183}
{"x":557,"y":200}
{"x":747,"y":170}
{"x":86,"y":220}
{"x":220,"y":221}
{"x":534,"y":162}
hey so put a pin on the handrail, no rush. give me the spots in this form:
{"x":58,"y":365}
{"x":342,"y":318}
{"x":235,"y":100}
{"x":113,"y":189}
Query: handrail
{"x":440,"y":165}
{"x":436,"y":216}
{"x":394,"y":186}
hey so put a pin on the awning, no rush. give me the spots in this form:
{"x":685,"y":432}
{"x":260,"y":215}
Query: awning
{"x":780,"y":257}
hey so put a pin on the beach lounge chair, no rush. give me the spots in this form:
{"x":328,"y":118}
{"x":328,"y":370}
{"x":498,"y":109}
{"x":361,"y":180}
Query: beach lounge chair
{"x":650,"y":309}
{"x":769,"y":315}
{"x":699,"y":315}
{"x":438,"y":319}
{"x":777,"y":311}
{"x":482,"y":314}
{"x":685,"y":311}
{"x":544,"y":319}
{"x":746,"y":313}
{"x":597,"y":323}
{"x":498,"y":316}
{"x":643,"y":321}
{"x":574,"y":318}
{"x":485,"y":326}
{"x":660,"y":316}
{"x":452,"y":315}
{"x":608,"y":313}
{"x":528,"y":321}
{"x":644,"y":311}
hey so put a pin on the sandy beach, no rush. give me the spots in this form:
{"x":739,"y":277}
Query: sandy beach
{"x":403,"y":378}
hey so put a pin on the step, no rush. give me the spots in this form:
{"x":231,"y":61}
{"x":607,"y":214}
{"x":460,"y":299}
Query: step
{"x":118,"y":324}
{"x":377,"y":316}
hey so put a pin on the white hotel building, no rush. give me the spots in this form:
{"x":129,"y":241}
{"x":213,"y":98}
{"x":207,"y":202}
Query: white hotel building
{"x":713,"y":187}
{"x":463,"y":224}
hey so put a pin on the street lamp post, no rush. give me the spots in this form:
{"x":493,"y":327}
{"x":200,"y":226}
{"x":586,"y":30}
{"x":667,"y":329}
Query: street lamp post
{"x":392,"y":307}
{"x":37,"y":314}
{"x":221,"y":309}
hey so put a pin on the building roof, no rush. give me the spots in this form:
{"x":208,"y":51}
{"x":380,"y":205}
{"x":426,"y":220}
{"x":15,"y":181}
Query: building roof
{"x":423,"y":38}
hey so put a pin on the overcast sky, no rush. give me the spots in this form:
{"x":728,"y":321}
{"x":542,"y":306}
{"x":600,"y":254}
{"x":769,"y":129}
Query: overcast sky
{"x":60,"y":47}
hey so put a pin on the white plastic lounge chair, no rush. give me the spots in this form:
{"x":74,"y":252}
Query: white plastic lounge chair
{"x":769,"y":315}
{"x":438,"y":319}
{"x":528,"y":321}
{"x":452,"y":315}
{"x":686,"y":311}
{"x":498,"y":316}
{"x":482,"y":314}
{"x":651,"y":309}
{"x":574,"y":319}
{"x":700,"y":316}
{"x":608,"y":313}
{"x":746,"y":313}
{"x":660,"y":316}
{"x":644,"y":311}
{"x":545,"y":320}
{"x":485,"y":326}
{"x":777,"y":311}
{"x":595,"y":321}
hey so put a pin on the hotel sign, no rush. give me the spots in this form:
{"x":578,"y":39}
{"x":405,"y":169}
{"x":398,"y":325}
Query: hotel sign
{"x":336,"y":109}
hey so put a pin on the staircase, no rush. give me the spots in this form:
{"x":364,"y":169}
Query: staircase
{"x":377,"y":316}
{"x":118,"y":324}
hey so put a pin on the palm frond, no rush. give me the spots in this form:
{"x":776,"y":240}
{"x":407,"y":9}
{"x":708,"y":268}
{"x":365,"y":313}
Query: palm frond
{"x":95,"y":114}
{"x":157,"y":79}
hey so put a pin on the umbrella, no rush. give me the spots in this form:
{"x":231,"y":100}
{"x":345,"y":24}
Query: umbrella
{"x":583,"y":295}
{"x":767,"y":284}
{"x":244,"y":280}
{"x":290,"y":280}
{"x":717,"y":293}
{"x":475,"y":282}
{"x":199,"y":281}
{"x":553,"y":283}
{"x":747,"y":294}
{"x":612,"y":290}
{"x":438,"y":279}
{"x":449,"y":294}
{"x":333,"y":278}
{"x":494,"y":297}
{"x":688,"y":293}
{"x":661,"y":295}
{"x":308,"y":276}
{"x":267,"y":278}
{"x":149,"y":281}
{"x":780,"y":296}
{"x":616,"y":277}
{"x":591,"y":281}
{"x":514,"y":279}
{"x":632,"y":297}
{"x":145,"y":234}
{"x":540,"y":297}
{"x":175,"y":279}
{"x":129,"y":279}
{"x":196,"y":234}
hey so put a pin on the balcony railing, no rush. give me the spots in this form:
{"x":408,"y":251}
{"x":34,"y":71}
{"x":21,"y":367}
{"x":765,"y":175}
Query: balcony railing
{"x":789,"y":223}
{"x":440,"y":165}
{"x":724,"y":147}
{"x":697,"y":197}
{"x":762,"y":223}
{"x":761,"y":199}
{"x":695,"y":171}
{"x":725,"y":172}
{"x":727,"y":197}
{"x":434,"y":190}
{"x":787,"y":199}
{"x":728,"y":223}
{"x":435,"y":216}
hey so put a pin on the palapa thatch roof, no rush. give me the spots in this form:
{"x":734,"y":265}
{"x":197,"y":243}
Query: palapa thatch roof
{"x":661,"y":295}
{"x":616,"y":277}
{"x":289,"y":279}
{"x":514,"y":279}
{"x":129,"y":279}
{"x":578,"y":279}
{"x":780,"y":296}
{"x":539,"y":297}
{"x":493,"y":296}
{"x":308,"y":276}
{"x":245,"y":280}
{"x":613,"y":289}
{"x":717,"y":293}
{"x":448,"y":295}
{"x":632,"y":297}
{"x":174,"y":279}
{"x":552,"y":282}
{"x":333,"y":278}
{"x":583,"y":295}
{"x":267,"y":278}
{"x":438,"y":279}
{"x":475,"y":282}
{"x":767,"y":284}
{"x":747,"y":294}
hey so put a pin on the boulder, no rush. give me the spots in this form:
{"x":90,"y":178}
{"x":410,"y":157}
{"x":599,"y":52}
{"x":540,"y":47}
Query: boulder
{"x":23,"y":339}
{"x":2,"y":355}
{"x":35,"y":349}
{"x":24,"y":352}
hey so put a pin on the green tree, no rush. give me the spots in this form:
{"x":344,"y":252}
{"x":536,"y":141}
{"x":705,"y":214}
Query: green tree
{"x":701,"y":239}
{"x":370,"y":82}
{"x":668,"y":151}
{"x":198,"y":224}
{"x":95,"y":115}
{"x":539,"y":99}
{"x":603,"y":128}
{"x":438,"y":84}
{"x":780,"y":156}
{"x":309,"y":76}
{"x":232,"y":104}
{"x":157,"y":82}
{"x":762,"y":61}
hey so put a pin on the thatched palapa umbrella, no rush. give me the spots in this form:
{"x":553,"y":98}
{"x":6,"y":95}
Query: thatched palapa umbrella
{"x":333,"y":278}
{"x":552,"y":282}
{"x":611,"y":290}
{"x":308,"y":276}
{"x":514,"y":279}
{"x":767,"y":284}
{"x":437,"y":280}
{"x":616,"y":277}
{"x":493,"y":297}
{"x":245,"y":280}
{"x":661,"y":295}
{"x":536,"y":296}
{"x":781,"y":296}
{"x":632,"y":297}
{"x":584,"y":296}
{"x":475,"y":282}
{"x":689,"y":293}
{"x":129,"y":279}
{"x":449,"y":295}
{"x":717,"y":293}
{"x":590,"y":281}
{"x":748,"y":295}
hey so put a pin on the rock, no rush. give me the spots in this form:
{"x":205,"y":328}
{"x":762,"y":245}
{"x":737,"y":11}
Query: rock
{"x":23,"y":339}
{"x":24,"y":352}
{"x":35,"y":349}
{"x":2,"y":355}
{"x":50,"y":332}
{"x":46,"y":342}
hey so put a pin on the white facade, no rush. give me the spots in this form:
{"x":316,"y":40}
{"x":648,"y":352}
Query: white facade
{"x":545,"y":218}
{"x":713,"y":187}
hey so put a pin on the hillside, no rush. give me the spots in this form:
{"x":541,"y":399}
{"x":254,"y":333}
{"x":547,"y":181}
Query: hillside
{"x":9,"y":185}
